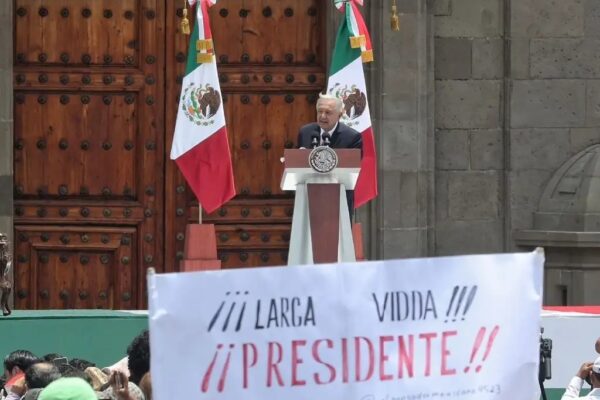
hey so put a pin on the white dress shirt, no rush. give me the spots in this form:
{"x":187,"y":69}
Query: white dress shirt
{"x":572,"y":391}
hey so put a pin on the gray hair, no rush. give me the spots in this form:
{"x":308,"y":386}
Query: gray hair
{"x":339,"y":105}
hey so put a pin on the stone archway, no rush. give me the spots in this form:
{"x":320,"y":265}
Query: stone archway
{"x":567,"y":225}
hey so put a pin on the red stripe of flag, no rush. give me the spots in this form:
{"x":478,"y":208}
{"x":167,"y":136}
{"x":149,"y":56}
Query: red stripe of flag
{"x":207,"y":169}
{"x":205,"y":19}
{"x":366,"y":186}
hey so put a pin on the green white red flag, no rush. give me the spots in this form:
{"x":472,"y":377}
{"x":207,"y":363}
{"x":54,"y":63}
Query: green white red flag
{"x":200,"y":145}
{"x":347,"y":82}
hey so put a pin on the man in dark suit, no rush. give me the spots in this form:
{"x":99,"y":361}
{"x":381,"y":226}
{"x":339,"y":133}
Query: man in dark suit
{"x":329,"y":112}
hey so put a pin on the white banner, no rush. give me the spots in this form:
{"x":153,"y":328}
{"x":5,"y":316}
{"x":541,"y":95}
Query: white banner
{"x":454,"y":327}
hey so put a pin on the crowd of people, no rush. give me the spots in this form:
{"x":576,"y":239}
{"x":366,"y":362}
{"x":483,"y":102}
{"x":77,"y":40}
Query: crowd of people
{"x":55,"y":377}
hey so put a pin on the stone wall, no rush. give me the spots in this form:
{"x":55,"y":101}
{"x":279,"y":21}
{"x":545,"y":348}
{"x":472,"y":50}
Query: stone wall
{"x":555,"y":98}
{"x":469,"y":135}
{"x":517,"y":92}
{"x":6,"y":118}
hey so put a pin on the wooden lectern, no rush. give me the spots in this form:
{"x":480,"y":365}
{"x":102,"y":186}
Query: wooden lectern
{"x":321,"y":226}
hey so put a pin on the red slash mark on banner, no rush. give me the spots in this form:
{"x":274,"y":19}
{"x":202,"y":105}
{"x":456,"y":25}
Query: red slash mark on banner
{"x":208,"y":374}
{"x":478,"y":341}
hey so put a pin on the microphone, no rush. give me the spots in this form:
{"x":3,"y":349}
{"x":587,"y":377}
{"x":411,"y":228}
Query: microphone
{"x":326,"y":139}
{"x":314,"y":140}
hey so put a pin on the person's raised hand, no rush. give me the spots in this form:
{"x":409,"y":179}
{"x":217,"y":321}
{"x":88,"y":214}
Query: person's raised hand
{"x":584,"y":370}
{"x":120,"y":385}
{"x":19,"y":387}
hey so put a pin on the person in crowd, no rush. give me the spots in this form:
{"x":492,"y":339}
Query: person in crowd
{"x":17,"y":362}
{"x":587,"y":369}
{"x":68,"y":389}
{"x":121,"y":389}
{"x":17,"y":389}
{"x":81,"y":364}
{"x":138,"y":354}
{"x":15,"y":365}
{"x":32,"y":394}
{"x":69,"y":371}
{"x":120,"y":365}
{"x":40,"y":375}
{"x":52,"y":356}
{"x":97,"y":378}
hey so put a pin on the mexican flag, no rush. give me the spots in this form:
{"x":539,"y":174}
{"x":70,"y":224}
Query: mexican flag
{"x":347,"y":81}
{"x":200,"y":144}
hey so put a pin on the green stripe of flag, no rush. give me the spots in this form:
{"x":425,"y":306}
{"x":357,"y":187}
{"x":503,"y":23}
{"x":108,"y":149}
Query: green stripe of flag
{"x":343,"y":54}
{"x":191,"y":60}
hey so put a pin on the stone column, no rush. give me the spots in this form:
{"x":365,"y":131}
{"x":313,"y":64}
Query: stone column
{"x":6,"y":118}
{"x":400,"y":222}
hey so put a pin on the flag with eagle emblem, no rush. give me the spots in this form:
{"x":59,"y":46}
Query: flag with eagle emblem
{"x":347,"y":82}
{"x":200,"y":145}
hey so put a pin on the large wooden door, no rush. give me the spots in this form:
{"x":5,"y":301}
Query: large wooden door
{"x":97,"y":83}
{"x":88,"y":156}
{"x":271,"y":66}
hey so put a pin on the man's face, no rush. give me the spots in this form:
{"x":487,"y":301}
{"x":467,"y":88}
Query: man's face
{"x":327,"y":115}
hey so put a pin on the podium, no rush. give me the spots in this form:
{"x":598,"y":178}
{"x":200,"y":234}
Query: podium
{"x":321,"y":226}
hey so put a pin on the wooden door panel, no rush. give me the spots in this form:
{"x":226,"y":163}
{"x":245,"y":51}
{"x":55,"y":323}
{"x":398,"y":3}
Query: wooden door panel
{"x":89,"y":143}
{"x":84,"y":143}
{"x":264,"y":124}
{"x":75,"y":267}
{"x":252,"y":258}
{"x":252,"y":211}
{"x":271,"y":78}
{"x":268,"y":31}
{"x":247,"y":136}
{"x":90,"y":212}
{"x":253,"y":236}
{"x":253,"y":232}
{"x":76,"y":32}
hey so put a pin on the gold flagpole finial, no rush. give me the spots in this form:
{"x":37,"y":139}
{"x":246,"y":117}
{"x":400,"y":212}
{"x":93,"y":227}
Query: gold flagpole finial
{"x":395,"y":20}
{"x":185,"y":22}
